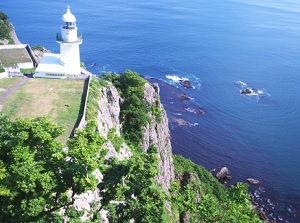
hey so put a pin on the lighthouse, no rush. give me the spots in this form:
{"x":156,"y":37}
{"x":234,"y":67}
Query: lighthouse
{"x":67,"y":62}
{"x":69,"y":42}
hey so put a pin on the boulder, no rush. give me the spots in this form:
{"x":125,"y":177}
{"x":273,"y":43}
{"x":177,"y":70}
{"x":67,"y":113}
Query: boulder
{"x":223,"y":173}
{"x":184,"y":96}
{"x":253,"y":181}
{"x":186,"y":83}
{"x":199,"y":111}
{"x":246,"y":91}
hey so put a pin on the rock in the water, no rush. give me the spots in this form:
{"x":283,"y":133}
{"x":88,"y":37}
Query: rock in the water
{"x":249,"y":91}
{"x":253,"y":181}
{"x":223,"y":173}
{"x":246,"y":91}
{"x":184,"y":96}
{"x":186,"y":83}
{"x":228,"y":177}
{"x":200,"y":111}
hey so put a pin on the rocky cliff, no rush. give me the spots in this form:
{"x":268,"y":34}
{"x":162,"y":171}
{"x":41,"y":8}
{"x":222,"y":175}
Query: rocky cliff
{"x":155,"y":133}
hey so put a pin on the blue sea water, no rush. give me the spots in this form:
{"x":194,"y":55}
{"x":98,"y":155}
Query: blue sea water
{"x":220,"y":46}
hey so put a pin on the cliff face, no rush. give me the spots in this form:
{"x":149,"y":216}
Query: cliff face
{"x":108,"y":119}
{"x":155,"y":133}
{"x":158,"y":134}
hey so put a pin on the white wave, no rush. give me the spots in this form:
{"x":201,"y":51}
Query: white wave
{"x":198,"y":81}
{"x":189,"y":109}
{"x":241,"y":83}
{"x":177,"y":113}
{"x":175,"y":78}
{"x":193,"y":124}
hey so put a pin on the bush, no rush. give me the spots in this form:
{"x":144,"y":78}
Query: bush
{"x":5,"y":27}
{"x":37,"y":47}
{"x":217,"y":204}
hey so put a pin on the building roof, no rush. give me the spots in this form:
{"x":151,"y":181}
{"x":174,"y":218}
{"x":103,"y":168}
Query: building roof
{"x":68,"y":16}
{"x":50,"y":64}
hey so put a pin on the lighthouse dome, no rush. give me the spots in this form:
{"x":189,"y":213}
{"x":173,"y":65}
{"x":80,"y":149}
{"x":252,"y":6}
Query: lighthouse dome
{"x":68,"y":16}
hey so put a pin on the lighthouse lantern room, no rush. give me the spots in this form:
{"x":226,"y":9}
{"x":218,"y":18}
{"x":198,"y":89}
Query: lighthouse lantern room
{"x":69,"y":43}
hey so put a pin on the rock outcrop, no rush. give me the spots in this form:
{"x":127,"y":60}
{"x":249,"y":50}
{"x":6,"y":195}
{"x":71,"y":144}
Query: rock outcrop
{"x":39,"y":53}
{"x":158,"y":134}
{"x":253,"y":181}
{"x":155,"y":133}
{"x":108,"y":119}
{"x":223,"y":173}
{"x":109,"y":110}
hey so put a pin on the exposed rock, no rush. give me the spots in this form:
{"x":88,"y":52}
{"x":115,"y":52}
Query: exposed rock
{"x":253,"y":181}
{"x":158,"y":134}
{"x":185,"y":217}
{"x":180,"y":121}
{"x":13,"y":35}
{"x":186,"y":83}
{"x":184,"y":96}
{"x":228,"y":177}
{"x":249,"y":91}
{"x":124,"y":151}
{"x":40,"y":53}
{"x":109,"y":110}
{"x":223,"y":173}
{"x":200,"y":111}
{"x":4,"y":42}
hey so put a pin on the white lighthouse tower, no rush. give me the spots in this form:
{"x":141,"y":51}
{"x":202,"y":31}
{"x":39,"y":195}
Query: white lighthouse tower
{"x":69,"y":43}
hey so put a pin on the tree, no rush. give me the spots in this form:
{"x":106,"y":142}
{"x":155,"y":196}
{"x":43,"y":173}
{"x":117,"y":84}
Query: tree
{"x":4,"y":29}
{"x":131,"y":184}
{"x":3,"y":16}
{"x":36,"y":172}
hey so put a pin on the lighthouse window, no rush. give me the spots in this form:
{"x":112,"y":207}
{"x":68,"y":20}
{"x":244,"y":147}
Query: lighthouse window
{"x":69,"y":25}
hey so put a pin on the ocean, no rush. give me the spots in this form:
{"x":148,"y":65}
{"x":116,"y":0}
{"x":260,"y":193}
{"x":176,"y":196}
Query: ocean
{"x":221,"y":47}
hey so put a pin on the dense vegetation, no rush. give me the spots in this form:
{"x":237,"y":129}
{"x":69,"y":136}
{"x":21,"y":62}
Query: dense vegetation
{"x":134,"y":110}
{"x":36,"y":172}
{"x":38,"y":176}
{"x":5,"y":27}
{"x":199,"y":197}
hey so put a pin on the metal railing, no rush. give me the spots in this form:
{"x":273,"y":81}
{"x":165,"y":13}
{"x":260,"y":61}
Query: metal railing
{"x":60,"y":39}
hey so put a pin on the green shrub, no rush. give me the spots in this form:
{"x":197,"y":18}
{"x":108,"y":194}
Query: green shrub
{"x":217,"y":204}
{"x":5,"y":27}
{"x":116,"y":140}
{"x":37,"y":47}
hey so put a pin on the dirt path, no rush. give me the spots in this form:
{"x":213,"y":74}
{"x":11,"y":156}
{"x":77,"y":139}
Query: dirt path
{"x":12,"y":90}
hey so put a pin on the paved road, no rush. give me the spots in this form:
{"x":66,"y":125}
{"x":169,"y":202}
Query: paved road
{"x":12,"y":90}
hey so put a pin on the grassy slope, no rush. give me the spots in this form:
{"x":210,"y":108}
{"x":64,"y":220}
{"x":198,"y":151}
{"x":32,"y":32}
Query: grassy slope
{"x":58,"y":99}
{"x":7,"y":83}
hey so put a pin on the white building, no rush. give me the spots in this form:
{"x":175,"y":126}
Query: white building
{"x":67,"y":63}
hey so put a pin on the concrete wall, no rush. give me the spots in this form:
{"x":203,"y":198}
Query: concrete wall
{"x":3,"y":75}
{"x":13,"y":46}
{"x":28,"y":65}
{"x":83,"y":121}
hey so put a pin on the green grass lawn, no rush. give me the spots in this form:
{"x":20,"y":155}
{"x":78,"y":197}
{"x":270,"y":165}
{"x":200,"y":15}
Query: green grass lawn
{"x":10,"y":57}
{"x":58,"y":99}
{"x":7,"y":83}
